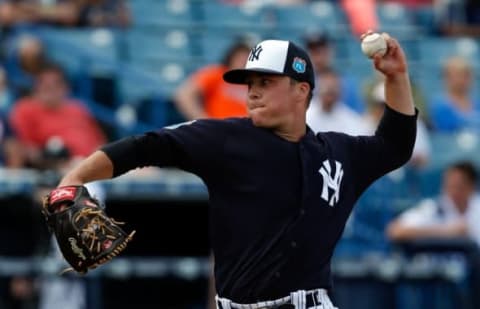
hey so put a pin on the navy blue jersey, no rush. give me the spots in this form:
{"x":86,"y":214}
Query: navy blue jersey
{"x":277,"y":207}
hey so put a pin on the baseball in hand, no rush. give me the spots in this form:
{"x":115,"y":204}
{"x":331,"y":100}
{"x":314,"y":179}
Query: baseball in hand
{"x":373,"y":44}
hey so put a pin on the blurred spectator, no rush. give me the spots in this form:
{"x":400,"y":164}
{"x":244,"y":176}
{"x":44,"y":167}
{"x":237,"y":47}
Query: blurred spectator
{"x":455,"y":213}
{"x":321,"y":52}
{"x":91,"y":13}
{"x":55,"y":12}
{"x":53,"y":126}
{"x":102,"y":13}
{"x":375,"y":108}
{"x":456,"y":109}
{"x":361,"y":23}
{"x":22,"y":293}
{"x":10,"y":150}
{"x":328,"y":113}
{"x":6,"y":95}
{"x":459,"y":18}
{"x":24,"y":62}
{"x":206,"y":95}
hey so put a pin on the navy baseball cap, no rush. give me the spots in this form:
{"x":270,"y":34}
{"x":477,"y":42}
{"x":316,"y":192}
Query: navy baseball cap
{"x":275,"y":57}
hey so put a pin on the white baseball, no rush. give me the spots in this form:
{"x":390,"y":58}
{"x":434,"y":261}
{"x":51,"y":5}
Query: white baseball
{"x":374,"y":44}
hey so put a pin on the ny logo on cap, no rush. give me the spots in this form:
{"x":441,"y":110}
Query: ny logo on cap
{"x":255,"y":53}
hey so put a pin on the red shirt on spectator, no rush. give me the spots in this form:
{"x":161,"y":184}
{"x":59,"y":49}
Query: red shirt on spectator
{"x":34,"y":123}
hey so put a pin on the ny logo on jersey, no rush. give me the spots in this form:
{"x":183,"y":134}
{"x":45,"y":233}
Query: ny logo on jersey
{"x":331,"y":182}
{"x":255,"y":53}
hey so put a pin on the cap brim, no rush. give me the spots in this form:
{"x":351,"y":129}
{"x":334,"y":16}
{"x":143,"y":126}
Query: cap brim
{"x":239,"y":76}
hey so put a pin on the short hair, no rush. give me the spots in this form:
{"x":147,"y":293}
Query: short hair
{"x":310,"y":93}
{"x":329,"y":71}
{"x":466,"y":168}
{"x":28,"y":41}
{"x":240,"y":45}
{"x":313,"y":40}
{"x":52,"y":67}
{"x":456,"y":63}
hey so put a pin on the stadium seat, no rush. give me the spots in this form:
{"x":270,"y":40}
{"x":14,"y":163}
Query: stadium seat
{"x":173,"y":43}
{"x":100,"y":46}
{"x":100,"y":42}
{"x":154,"y":78}
{"x":428,"y":78}
{"x":424,"y":18}
{"x":248,"y":18}
{"x":317,"y":16}
{"x":162,"y":13}
{"x":395,"y":19}
{"x":434,"y":51}
{"x":449,"y":148}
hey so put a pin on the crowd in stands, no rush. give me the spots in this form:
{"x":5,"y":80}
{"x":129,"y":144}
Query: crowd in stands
{"x":68,"y":13}
{"x":44,"y":123}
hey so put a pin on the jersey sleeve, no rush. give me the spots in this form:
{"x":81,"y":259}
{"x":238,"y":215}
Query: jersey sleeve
{"x":390,"y":147}
{"x":192,"y":146}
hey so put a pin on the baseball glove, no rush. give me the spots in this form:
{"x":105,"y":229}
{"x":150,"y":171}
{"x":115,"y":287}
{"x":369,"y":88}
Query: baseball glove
{"x":86,"y":236}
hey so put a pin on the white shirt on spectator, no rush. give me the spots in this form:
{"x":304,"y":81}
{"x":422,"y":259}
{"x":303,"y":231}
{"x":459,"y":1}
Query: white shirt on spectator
{"x":340,"y":119}
{"x":431,"y":212}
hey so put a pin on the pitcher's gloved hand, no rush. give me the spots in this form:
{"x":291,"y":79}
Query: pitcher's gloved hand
{"x":86,"y":236}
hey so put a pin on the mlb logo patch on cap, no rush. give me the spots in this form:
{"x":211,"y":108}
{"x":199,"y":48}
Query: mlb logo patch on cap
{"x":299,"y":65}
{"x":275,"y":57}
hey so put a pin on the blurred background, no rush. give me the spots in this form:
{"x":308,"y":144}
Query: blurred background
{"x":75,"y":74}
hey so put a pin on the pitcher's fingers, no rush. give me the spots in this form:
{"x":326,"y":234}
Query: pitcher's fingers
{"x":385,"y":35}
{"x":392,"y":46}
{"x":377,"y":58}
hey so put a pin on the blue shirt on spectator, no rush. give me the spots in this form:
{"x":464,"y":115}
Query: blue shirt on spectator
{"x":446,"y":117}
{"x":350,"y":94}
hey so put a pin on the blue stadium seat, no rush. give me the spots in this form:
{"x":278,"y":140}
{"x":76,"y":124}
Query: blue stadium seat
{"x":100,"y":46}
{"x":429,"y":79}
{"x":161,"y":78}
{"x":434,"y":51}
{"x":395,"y":19}
{"x":425,"y":19}
{"x":162,"y":13}
{"x":316,"y":16}
{"x":100,"y":42}
{"x":217,"y":15}
{"x":173,"y":43}
{"x":449,"y":148}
